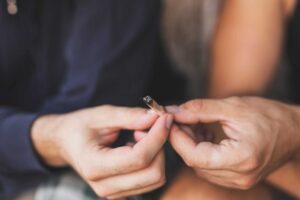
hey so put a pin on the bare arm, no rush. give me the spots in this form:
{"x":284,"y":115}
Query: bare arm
{"x":246,"y":47}
{"x":245,"y":53}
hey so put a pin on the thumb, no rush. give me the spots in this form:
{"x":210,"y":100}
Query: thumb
{"x":201,"y":111}
{"x":121,"y":118}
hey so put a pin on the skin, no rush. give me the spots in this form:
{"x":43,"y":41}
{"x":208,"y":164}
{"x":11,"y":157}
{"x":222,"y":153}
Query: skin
{"x":246,"y":47}
{"x":260,"y":49}
{"x":188,"y":186}
{"x":245,"y":51}
{"x":258,"y":58}
{"x":83,"y":139}
{"x":262,"y":135}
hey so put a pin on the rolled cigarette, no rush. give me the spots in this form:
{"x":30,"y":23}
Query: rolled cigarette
{"x":152,"y":104}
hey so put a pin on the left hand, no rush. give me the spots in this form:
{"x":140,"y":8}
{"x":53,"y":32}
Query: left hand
{"x":83,"y":140}
{"x":261,"y":136}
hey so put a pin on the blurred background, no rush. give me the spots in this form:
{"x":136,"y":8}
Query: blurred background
{"x":187,"y":30}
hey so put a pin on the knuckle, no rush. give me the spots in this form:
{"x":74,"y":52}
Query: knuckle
{"x":102,"y":192}
{"x":157,"y":176}
{"x":90,"y":176}
{"x":189,"y":162}
{"x":89,"y":173}
{"x":161,"y":183}
{"x":141,"y":160}
{"x":251,"y":163}
{"x":246,"y":183}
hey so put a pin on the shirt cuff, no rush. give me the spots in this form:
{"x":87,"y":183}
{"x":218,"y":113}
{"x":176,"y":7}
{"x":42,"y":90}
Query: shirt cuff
{"x":17,"y":154}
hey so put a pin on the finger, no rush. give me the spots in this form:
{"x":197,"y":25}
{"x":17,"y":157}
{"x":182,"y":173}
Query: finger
{"x":183,"y":143}
{"x":206,"y":111}
{"x":121,"y":118}
{"x":152,"y":175}
{"x":109,"y":162}
{"x":153,"y":142}
{"x":204,"y":155}
{"x":107,"y":139}
{"x":189,"y":130}
{"x":139,"y":135}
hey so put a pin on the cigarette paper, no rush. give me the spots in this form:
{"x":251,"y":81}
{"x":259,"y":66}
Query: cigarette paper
{"x":151,"y":103}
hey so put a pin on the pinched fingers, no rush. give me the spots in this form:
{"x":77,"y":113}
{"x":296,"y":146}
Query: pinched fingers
{"x":204,"y":155}
{"x":107,"y":162}
{"x":229,"y":163}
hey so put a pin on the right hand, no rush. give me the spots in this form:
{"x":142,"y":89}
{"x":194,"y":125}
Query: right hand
{"x":82,"y":140}
{"x":261,"y":135}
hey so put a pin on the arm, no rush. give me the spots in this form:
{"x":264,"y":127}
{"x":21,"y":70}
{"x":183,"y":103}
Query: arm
{"x":245,"y":53}
{"x":246,"y":47}
{"x":83,"y":139}
{"x":100,"y":51}
{"x":262,"y":135}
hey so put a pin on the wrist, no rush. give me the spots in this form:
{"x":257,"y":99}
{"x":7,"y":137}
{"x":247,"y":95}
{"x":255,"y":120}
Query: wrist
{"x":45,"y":142}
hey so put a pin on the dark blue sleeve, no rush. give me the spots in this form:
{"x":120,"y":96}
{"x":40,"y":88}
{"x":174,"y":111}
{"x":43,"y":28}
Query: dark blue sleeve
{"x":110,"y":52}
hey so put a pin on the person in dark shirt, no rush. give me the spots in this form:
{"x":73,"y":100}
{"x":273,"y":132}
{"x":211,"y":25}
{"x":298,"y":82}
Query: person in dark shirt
{"x":58,"y":59}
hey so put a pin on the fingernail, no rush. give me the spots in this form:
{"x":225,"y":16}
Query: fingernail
{"x":169,"y":121}
{"x":172,"y":109}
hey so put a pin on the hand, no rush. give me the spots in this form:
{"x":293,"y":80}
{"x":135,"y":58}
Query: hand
{"x":82,"y":140}
{"x":261,"y":136}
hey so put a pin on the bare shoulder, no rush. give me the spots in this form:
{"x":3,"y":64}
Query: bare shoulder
{"x":289,"y":7}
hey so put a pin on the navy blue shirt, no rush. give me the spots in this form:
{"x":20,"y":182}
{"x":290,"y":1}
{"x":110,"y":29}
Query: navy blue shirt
{"x":61,"y":55}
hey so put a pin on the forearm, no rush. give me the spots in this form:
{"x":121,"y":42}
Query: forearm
{"x":287,"y":177}
{"x":246,"y":47}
